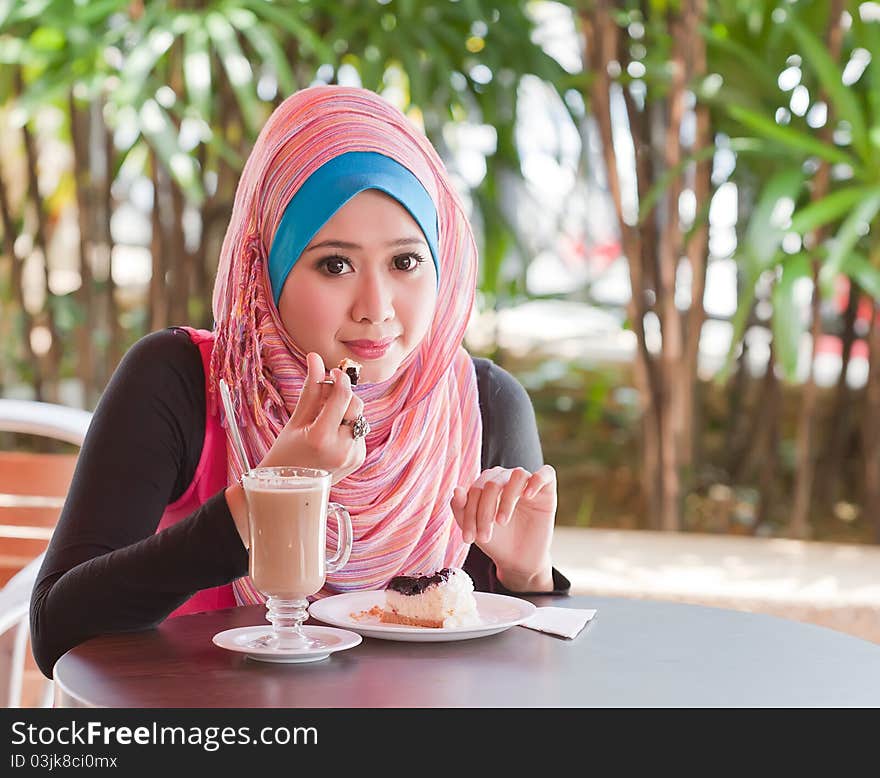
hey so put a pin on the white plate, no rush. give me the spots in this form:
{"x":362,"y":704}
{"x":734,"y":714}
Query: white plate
{"x":331,"y":640}
{"x":497,"y":613}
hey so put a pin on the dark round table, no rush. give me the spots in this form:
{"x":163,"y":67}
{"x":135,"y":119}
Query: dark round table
{"x":635,"y":653}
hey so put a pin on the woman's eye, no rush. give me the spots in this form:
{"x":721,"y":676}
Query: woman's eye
{"x":334,"y":266}
{"x":407,"y":262}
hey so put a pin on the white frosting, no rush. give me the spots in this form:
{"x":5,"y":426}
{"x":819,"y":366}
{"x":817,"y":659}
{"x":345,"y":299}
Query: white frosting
{"x":451,"y":601}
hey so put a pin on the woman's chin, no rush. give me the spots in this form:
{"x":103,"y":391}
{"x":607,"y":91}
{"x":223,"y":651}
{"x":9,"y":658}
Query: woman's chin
{"x":377,"y":374}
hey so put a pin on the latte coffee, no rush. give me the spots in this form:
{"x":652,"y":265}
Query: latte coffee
{"x":288,"y":530}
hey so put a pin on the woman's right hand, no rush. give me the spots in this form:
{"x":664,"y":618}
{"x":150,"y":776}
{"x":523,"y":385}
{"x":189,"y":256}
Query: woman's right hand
{"x":315,"y":435}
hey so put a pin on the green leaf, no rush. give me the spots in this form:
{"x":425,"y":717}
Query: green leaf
{"x":759,"y":250}
{"x":841,"y":97}
{"x":47,"y":39}
{"x":46,"y":90}
{"x":830,"y":208}
{"x":13,"y":51}
{"x":97,"y":11}
{"x":868,"y":34}
{"x":267,"y":46}
{"x":662,"y":183}
{"x":766,"y":229}
{"x":133,"y":161}
{"x":788,"y":322}
{"x":439,"y":64}
{"x":853,"y":227}
{"x":238,"y":70}
{"x":28,"y":11}
{"x":6,"y":7}
{"x":197,"y":70}
{"x":759,"y":146}
{"x":223,"y":149}
{"x":287,"y":19}
{"x":161,"y":134}
{"x":745,"y":301}
{"x":759,"y":75}
{"x":142,"y":60}
{"x":418,"y":92}
{"x":857,"y":267}
{"x":789,"y":136}
{"x":134,"y":158}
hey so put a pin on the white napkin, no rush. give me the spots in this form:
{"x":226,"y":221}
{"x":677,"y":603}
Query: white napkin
{"x":566,"y":622}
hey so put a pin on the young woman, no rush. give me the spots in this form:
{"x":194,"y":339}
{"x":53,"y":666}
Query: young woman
{"x":346,"y":240}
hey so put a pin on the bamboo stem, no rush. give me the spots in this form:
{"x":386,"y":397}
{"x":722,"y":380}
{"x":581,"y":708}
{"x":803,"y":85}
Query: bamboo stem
{"x":9,"y":233}
{"x":52,"y":358}
{"x":601,"y":41}
{"x":79,"y":133}
{"x":871,"y":428}
{"x":799,"y":526}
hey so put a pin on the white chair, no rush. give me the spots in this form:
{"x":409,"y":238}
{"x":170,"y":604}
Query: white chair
{"x":15,"y":599}
{"x":25,"y":473}
{"x":44,"y":419}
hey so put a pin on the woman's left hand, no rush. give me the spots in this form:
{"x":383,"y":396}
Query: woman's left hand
{"x":510,"y":515}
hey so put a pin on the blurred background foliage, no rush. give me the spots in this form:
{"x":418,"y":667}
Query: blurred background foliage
{"x":595,"y":134}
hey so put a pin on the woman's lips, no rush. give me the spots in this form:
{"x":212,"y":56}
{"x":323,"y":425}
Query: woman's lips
{"x":369,"y":349}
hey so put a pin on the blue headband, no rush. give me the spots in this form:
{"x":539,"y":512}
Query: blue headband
{"x":329,"y":188}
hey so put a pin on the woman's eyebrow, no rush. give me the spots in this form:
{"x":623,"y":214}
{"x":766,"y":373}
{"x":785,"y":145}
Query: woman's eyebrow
{"x":341,"y":244}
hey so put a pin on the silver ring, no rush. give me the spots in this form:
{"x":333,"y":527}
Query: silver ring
{"x":360,"y":427}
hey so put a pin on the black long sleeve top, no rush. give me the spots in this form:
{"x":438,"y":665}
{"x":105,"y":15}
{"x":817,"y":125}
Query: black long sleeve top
{"x":106,"y":568}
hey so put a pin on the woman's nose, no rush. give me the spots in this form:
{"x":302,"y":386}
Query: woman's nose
{"x":373,"y":299}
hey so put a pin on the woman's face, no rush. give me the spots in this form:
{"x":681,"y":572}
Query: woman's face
{"x":364,"y":288}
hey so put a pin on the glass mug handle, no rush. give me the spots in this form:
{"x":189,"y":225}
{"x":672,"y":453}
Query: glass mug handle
{"x":344,"y":533}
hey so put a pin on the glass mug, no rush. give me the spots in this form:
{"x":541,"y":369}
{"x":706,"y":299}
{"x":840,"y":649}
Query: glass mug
{"x":287,"y":525}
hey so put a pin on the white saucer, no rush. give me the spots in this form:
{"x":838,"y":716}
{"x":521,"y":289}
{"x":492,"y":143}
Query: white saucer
{"x":332,"y":639}
{"x":355,"y":611}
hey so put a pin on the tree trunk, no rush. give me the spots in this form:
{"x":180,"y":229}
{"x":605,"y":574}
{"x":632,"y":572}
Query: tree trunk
{"x":737,"y":434}
{"x":27,"y":323}
{"x":52,"y":359}
{"x":179,"y":258}
{"x":751,"y":456}
{"x":79,"y":133}
{"x":601,"y":43}
{"x":199,"y":289}
{"x":670,"y":318}
{"x":642,"y":250}
{"x":766,"y":458}
{"x":871,"y":428}
{"x":653,"y":246}
{"x":115,"y":345}
{"x":158,"y":251}
{"x":697,"y":248}
{"x":799,"y":526}
{"x":839,"y":434}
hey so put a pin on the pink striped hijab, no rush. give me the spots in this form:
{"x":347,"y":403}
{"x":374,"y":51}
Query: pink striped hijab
{"x":425,"y":423}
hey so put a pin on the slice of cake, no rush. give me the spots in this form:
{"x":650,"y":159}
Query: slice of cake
{"x":352,"y":368}
{"x":441,"y":599}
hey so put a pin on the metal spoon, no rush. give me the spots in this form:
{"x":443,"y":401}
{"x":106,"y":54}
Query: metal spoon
{"x":232,"y":425}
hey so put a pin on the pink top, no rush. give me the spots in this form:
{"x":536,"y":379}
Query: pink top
{"x":210,"y":477}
